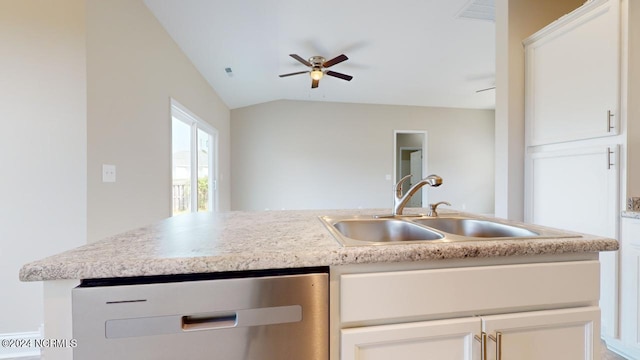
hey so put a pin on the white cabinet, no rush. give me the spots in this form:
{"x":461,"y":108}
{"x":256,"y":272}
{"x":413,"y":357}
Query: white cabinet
{"x":630,"y":288}
{"x":566,"y":334}
{"x":577,"y":189}
{"x":439,"y":339}
{"x":573,"y":76}
{"x":574,"y":189}
{"x":542,"y":310}
{"x":572,"y":101}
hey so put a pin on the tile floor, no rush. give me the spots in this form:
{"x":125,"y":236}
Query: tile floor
{"x":608,"y":355}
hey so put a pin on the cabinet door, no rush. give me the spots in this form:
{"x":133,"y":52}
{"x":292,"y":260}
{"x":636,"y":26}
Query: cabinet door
{"x":439,"y":339}
{"x":577,"y":189}
{"x":572,"y":76}
{"x":574,"y":189}
{"x":630,"y":289}
{"x":568,"y":334}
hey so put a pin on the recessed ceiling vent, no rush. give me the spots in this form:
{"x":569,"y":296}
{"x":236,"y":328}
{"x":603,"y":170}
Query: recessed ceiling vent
{"x":478,"y":10}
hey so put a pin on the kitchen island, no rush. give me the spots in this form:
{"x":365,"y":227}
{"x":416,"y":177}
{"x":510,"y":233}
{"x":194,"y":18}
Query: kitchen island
{"x":243,"y":241}
{"x":238,"y":241}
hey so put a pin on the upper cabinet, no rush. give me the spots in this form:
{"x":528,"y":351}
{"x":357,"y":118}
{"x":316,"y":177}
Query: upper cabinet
{"x":573,"y":76}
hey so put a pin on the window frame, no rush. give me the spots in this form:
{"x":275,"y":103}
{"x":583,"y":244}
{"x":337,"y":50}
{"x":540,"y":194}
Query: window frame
{"x":182,"y":113}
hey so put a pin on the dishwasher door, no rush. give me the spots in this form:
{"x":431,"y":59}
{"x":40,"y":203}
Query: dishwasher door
{"x":266,"y":318}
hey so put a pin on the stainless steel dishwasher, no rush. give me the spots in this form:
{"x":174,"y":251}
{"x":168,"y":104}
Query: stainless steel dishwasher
{"x":272,"y":315}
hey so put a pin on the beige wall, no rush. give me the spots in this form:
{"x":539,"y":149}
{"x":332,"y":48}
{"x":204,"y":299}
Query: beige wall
{"x":133,"y":69}
{"x":87,"y":83}
{"x":515,"y":21}
{"x":42,"y":147}
{"x":321,"y":155}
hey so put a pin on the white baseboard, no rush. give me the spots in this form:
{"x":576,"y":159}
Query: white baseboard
{"x":14,"y":345}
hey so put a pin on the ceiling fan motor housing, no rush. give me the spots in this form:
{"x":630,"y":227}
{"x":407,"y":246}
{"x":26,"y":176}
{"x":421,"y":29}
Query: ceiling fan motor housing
{"x":317,"y":61}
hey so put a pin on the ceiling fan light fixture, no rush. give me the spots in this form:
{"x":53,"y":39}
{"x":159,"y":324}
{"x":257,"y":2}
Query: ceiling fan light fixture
{"x":316,"y":65}
{"x":316,"y":74}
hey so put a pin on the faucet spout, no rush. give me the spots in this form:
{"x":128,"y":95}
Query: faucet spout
{"x":400,"y":201}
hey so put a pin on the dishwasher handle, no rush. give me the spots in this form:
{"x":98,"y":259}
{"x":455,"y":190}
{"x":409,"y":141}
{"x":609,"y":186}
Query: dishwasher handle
{"x":219,"y":320}
{"x":209,"y":322}
{"x":243,"y":318}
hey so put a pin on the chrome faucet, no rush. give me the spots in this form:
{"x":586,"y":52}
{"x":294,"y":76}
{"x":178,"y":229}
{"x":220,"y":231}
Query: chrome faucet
{"x":399,"y":201}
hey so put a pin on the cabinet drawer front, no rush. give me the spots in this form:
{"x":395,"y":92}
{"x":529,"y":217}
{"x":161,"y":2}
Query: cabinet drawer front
{"x":457,"y":292}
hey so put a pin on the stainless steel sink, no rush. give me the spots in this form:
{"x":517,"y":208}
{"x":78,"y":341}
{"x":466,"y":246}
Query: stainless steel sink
{"x":475,"y":228}
{"x":369,"y":230}
{"x":384,"y":230}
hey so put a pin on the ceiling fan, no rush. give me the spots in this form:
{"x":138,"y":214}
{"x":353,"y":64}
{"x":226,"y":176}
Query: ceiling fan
{"x":317,"y":65}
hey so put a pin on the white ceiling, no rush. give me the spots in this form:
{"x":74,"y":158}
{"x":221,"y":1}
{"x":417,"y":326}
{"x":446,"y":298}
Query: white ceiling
{"x":401,"y":52}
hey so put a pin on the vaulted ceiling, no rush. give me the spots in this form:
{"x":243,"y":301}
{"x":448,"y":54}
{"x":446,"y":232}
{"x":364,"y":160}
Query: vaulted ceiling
{"x":401,"y":52}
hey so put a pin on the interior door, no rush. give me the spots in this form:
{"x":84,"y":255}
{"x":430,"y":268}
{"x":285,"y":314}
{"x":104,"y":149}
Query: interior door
{"x":416,"y":176}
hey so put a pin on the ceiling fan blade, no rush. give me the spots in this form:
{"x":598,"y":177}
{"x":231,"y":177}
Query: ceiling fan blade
{"x":314,"y":83}
{"x":297,"y":57}
{"x":339,"y":75}
{"x":336,"y":60}
{"x":295,"y":73}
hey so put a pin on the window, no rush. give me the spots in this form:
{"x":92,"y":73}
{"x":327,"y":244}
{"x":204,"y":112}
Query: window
{"x":193,"y":158}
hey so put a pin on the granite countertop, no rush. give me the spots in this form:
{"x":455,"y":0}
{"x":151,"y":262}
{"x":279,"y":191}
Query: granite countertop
{"x":236,"y":241}
{"x":630,"y":214}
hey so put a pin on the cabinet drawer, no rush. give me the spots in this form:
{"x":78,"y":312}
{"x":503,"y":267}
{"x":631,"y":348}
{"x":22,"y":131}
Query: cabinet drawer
{"x":467,"y":291}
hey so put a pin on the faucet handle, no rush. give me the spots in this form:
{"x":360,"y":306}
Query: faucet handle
{"x":398,"y":186}
{"x":434,"y":207}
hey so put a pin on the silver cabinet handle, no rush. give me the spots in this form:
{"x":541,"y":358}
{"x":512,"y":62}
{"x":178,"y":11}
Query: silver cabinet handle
{"x":609,"y":116}
{"x":609,"y":164}
{"x":498,"y":340}
{"x":483,"y":344}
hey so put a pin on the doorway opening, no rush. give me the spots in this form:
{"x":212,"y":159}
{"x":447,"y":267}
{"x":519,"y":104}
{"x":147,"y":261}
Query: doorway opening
{"x":410,"y":158}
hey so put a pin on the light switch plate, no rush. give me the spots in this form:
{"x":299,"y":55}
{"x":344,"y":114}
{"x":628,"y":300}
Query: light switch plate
{"x":108,"y":173}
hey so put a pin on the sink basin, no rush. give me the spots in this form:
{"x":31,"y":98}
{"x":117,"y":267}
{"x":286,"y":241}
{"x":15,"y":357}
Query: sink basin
{"x":369,"y":230}
{"x":384,"y":230}
{"x":475,"y":228}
